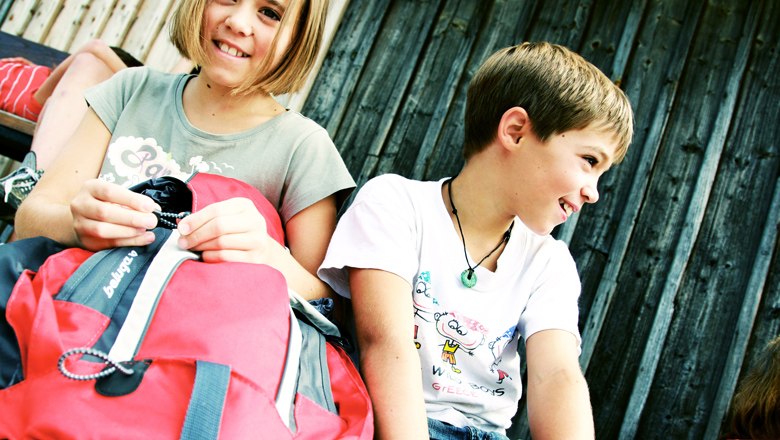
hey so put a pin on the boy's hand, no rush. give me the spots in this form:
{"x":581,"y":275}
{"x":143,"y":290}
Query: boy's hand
{"x":106,"y":215}
{"x":231,"y":230}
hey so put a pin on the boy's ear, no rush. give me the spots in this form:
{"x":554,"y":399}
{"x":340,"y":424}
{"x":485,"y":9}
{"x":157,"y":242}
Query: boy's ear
{"x":514,"y":125}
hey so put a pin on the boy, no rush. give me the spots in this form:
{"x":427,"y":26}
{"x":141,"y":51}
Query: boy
{"x":448,"y":291}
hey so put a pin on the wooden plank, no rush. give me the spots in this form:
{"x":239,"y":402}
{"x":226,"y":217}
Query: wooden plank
{"x":345,"y":60}
{"x":336,"y":10}
{"x":12,"y":46}
{"x":688,"y":235}
{"x":638,"y":189}
{"x":42,"y":20}
{"x":17,"y":123}
{"x":144,"y":30}
{"x":93,"y":23}
{"x":504,"y":25}
{"x":119,"y":23}
{"x":742,"y":331}
{"x":67,"y":24}
{"x":19,"y":16}
{"x":621,"y":56}
{"x":163,"y":55}
{"x":5,"y":7}
{"x":433,"y":87}
{"x":609,"y":358}
{"x":384,"y":84}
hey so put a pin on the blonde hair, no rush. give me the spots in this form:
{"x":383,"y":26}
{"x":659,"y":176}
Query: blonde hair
{"x":304,"y":18}
{"x":558,"y":88}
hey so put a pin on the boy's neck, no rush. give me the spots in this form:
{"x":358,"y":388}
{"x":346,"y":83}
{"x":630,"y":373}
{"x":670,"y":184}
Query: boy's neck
{"x":480,"y":208}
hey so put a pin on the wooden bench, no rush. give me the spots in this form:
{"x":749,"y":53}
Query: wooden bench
{"x":15,"y":132}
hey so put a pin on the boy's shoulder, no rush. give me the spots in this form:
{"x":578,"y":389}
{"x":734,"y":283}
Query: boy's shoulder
{"x":396,"y":186}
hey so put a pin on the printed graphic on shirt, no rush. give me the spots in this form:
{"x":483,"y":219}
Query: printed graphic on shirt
{"x":455,"y":335}
{"x":497,"y":347}
{"x":423,"y":299}
{"x":459,"y":331}
{"x":131,"y":160}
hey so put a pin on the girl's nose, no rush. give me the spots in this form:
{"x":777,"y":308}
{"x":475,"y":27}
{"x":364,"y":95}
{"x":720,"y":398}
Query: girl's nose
{"x":239,"y":22}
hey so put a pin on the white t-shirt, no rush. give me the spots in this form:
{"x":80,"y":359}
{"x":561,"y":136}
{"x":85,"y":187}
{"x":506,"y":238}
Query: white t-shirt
{"x":467,"y":338}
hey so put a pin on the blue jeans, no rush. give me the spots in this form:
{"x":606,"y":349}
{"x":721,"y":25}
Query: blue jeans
{"x":439,"y":430}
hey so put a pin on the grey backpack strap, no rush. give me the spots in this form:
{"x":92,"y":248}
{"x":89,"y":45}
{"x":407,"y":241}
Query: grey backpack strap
{"x":207,"y":402}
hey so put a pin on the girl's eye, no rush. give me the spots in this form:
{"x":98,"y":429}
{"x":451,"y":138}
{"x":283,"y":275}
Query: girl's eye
{"x":591,"y":160}
{"x":270,"y":13}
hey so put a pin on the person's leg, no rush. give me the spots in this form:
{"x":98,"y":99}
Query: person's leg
{"x":97,"y":48}
{"x":64,"y":97}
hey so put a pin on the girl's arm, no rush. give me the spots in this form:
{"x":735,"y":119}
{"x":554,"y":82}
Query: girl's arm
{"x":558,"y":399}
{"x":233,"y":230}
{"x":70,"y":206}
{"x":389,"y":362}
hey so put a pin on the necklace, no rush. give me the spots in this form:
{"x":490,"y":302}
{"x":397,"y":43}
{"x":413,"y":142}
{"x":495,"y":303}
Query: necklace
{"x":468,"y":277}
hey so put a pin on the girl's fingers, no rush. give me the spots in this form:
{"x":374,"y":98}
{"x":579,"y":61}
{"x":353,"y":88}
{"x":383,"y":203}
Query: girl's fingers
{"x":113,"y":204}
{"x":232,"y":224}
{"x":101,"y":235}
{"x":109,"y":192}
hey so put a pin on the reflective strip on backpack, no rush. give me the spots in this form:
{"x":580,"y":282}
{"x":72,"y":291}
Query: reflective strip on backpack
{"x":285,"y":396}
{"x":169,"y":257}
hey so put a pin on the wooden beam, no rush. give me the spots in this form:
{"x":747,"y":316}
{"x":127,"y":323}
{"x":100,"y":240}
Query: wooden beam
{"x":665,"y":311}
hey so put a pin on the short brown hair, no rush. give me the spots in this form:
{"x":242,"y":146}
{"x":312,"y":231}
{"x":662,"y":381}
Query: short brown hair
{"x":558,"y":88}
{"x":755,"y":408}
{"x":306,"y":19}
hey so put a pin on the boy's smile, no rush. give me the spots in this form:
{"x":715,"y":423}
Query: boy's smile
{"x":554,"y":179}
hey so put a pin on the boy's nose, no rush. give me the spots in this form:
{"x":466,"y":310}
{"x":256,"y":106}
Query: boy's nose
{"x":590,"y":192}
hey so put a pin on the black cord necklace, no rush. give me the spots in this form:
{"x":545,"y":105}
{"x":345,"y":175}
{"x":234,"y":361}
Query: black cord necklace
{"x":468,"y":277}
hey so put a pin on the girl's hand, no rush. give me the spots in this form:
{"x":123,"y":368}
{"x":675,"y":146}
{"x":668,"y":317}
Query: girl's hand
{"x":231,"y":230}
{"x":107,"y":215}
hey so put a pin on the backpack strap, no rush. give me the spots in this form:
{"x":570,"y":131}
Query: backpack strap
{"x":288,"y":386}
{"x":207,"y":402}
{"x":168,"y":258}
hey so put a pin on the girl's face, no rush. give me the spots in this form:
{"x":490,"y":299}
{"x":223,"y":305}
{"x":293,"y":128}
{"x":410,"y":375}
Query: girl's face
{"x":238,"y":36}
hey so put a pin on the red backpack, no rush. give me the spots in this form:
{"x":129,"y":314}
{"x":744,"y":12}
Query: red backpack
{"x":150,"y":342}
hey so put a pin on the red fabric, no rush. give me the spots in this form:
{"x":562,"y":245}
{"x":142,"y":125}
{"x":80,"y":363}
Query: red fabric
{"x":209,"y":188}
{"x":18,"y":84}
{"x":235,"y":314}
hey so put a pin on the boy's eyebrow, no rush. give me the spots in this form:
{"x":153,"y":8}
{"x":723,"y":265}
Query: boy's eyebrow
{"x":601,"y":152}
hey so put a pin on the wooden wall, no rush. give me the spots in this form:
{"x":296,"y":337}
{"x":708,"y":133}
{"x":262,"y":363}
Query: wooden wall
{"x":135,"y":25}
{"x":679,"y":260}
{"x":138,"y":26}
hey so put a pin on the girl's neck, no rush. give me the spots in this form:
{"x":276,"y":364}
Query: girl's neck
{"x":214,"y":109}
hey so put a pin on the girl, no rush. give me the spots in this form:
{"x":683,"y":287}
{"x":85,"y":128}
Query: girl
{"x":143,"y":124}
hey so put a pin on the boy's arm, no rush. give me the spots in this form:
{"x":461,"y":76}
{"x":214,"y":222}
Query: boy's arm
{"x":382,"y":304}
{"x":558,"y":399}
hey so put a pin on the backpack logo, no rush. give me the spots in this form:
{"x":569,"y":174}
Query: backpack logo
{"x":119,"y":273}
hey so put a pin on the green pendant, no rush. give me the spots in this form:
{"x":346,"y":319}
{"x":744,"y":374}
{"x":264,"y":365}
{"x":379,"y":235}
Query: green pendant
{"x":468,"y":278}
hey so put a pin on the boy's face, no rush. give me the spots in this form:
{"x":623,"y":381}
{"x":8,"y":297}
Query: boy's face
{"x":555,"y":178}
